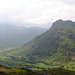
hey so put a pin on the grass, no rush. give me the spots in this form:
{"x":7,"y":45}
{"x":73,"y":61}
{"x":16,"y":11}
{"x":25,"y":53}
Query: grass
{"x":23,"y":71}
{"x":6,"y":60}
{"x":39,"y":64}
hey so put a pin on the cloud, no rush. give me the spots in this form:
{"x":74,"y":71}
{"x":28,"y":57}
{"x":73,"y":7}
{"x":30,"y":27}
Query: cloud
{"x":69,"y":2}
{"x":35,"y":11}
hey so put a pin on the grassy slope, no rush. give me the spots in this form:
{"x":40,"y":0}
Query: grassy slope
{"x":22,"y":71}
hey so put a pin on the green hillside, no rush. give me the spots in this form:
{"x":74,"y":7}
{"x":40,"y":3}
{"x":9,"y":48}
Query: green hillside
{"x":54,"y":48}
{"x":22,"y":71}
{"x":59,"y":38}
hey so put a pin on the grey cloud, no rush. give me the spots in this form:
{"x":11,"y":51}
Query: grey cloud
{"x":69,"y":2}
{"x":24,"y":12}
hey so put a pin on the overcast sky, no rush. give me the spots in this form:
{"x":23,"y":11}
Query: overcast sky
{"x":39,"y":12}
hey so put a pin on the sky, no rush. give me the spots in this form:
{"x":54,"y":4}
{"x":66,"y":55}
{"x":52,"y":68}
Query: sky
{"x":36,"y":13}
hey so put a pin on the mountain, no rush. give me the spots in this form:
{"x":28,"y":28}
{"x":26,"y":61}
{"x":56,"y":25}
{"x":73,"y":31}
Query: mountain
{"x":54,"y":48}
{"x":60,"y":37}
{"x":15,"y":36}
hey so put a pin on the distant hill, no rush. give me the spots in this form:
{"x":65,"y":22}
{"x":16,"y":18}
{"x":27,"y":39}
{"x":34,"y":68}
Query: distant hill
{"x":15,"y":36}
{"x":54,"y":48}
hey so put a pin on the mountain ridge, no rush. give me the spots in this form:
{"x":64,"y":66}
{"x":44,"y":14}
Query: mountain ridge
{"x":54,"y":31}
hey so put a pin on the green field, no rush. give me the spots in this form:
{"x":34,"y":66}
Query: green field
{"x":49,"y":62}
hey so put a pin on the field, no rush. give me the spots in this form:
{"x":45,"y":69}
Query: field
{"x":7,"y":59}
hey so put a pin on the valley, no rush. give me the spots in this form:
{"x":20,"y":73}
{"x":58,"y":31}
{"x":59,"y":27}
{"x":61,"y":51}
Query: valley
{"x":52,"y":49}
{"x":12,"y":36}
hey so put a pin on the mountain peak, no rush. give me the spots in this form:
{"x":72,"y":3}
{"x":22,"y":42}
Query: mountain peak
{"x":60,"y":20}
{"x":61,"y":23}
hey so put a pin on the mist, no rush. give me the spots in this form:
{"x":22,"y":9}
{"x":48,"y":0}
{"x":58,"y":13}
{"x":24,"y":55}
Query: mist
{"x":35,"y":13}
